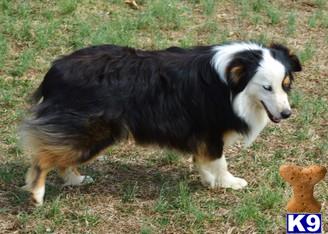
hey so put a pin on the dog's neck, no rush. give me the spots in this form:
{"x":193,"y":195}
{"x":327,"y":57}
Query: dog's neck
{"x":252,"y":113}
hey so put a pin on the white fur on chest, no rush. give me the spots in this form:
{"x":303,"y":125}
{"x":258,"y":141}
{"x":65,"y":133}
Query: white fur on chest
{"x":253,"y":114}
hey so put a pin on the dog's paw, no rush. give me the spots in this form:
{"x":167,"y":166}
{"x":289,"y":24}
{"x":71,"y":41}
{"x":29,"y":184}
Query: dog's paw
{"x":88,"y":180}
{"x":230,"y":181}
{"x":216,"y":174}
{"x":208,"y":179}
{"x":78,"y":180}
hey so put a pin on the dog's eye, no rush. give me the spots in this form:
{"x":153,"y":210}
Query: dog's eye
{"x":267,"y":87}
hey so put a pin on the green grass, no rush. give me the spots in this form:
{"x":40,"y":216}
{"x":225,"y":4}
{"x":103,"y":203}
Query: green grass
{"x":145,"y":230}
{"x":170,"y":158}
{"x":308,"y":52}
{"x":167,"y":15}
{"x":3,"y":50}
{"x":129,"y":192}
{"x":153,"y":190}
{"x":67,"y":6}
{"x":23,"y":62}
{"x":291,"y":23}
{"x":259,"y":5}
{"x":320,"y":3}
{"x":176,"y":204}
{"x":274,"y":15}
{"x":208,"y":6}
{"x":246,"y":211}
{"x":55,"y":216}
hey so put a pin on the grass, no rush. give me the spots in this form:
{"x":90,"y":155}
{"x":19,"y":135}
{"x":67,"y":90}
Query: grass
{"x":150,"y":190}
{"x":170,"y":158}
{"x":291,"y":24}
{"x":129,"y":192}
{"x":307,"y":53}
{"x":67,"y":7}
{"x":178,"y":199}
{"x":273,"y":14}
{"x":208,"y":6}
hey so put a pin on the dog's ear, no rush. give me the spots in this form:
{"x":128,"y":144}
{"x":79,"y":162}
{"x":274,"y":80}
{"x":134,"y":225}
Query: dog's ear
{"x":237,"y":76}
{"x":280,"y":47}
{"x":242,"y":68}
{"x":295,"y":63}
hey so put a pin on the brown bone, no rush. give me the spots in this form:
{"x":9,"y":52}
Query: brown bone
{"x":302,"y":181}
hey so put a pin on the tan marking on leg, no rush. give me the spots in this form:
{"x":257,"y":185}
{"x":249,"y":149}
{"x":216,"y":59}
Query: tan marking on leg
{"x":46,"y":157}
{"x":42,"y":163}
{"x":202,"y":155}
{"x":39,"y":189}
{"x":214,"y":171}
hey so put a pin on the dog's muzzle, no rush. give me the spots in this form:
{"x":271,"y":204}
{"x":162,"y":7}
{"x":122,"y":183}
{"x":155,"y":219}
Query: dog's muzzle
{"x":283,"y":115}
{"x":286,"y":113}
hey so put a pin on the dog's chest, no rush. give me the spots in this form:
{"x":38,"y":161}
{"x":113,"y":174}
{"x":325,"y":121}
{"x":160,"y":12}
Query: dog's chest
{"x":255,"y":127}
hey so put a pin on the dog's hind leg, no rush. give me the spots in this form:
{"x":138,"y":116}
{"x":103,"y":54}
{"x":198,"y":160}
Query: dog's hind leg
{"x":46,"y":158}
{"x":72,"y":177}
{"x":69,"y":172}
{"x":35,"y":182}
{"x":51,"y":150}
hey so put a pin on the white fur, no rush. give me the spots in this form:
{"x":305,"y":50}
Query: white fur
{"x":271,"y":72}
{"x":252,"y":113}
{"x":247,"y":104}
{"x":216,"y":174}
{"x":224,"y":54}
{"x":38,"y":194}
{"x":71,"y":179}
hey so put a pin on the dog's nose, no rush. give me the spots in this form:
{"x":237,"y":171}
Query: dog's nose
{"x":286,"y":113}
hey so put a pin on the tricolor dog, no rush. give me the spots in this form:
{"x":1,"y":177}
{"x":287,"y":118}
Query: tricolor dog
{"x":196,"y":100}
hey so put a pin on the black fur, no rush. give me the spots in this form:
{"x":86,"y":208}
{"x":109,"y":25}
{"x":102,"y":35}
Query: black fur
{"x":174,"y":98}
{"x":282,"y":54}
{"x":98,"y":95}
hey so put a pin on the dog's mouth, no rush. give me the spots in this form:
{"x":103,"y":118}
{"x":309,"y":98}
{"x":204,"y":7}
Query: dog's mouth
{"x":271,"y":117}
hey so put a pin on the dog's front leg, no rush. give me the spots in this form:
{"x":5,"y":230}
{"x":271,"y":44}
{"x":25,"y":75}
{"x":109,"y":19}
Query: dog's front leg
{"x":214,"y":172}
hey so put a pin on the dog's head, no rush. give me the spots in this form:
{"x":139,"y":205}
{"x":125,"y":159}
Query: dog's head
{"x":265,"y":76}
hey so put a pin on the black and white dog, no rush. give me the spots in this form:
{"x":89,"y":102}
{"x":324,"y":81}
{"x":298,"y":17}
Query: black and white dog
{"x":195,"y":100}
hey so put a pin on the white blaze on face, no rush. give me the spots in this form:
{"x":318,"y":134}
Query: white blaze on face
{"x":271,"y":73}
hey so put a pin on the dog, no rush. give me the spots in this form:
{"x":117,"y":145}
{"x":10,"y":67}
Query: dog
{"x":196,"y":100}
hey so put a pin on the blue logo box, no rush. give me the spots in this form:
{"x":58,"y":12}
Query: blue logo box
{"x":303,"y":223}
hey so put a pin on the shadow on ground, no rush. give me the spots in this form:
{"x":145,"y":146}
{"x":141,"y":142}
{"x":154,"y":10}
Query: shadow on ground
{"x":110,"y":177}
